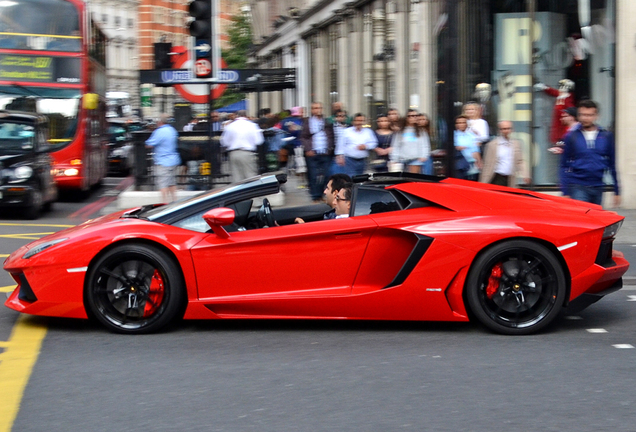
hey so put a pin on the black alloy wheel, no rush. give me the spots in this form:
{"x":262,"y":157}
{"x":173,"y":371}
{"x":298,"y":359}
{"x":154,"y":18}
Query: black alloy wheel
{"x":135,"y":289}
{"x":516,"y":287}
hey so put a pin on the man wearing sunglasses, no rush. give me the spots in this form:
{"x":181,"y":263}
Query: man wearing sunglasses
{"x":343,"y":201}
{"x":335,"y":183}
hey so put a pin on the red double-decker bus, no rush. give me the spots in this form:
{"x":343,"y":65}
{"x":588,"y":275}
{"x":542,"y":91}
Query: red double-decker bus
{"x":53,"y":62}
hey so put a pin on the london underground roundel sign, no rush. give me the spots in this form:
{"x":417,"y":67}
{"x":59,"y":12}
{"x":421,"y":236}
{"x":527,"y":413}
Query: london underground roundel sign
{"x":203,"y":68}
{"x":198,"y":93}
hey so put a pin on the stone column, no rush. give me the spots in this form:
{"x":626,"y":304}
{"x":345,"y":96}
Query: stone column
{"x":321,"y":70}
{"x":427,"y":57}
{"x":344,"y":77}
{"x":402,"y":51}
{"x":302,"y":74}
{"x":358,"y":103}
{"x":625,"y":96}
{"x":367,"y":59}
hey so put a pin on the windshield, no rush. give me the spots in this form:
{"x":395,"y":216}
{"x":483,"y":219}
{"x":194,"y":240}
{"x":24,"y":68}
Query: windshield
{"x":61,"y":106}
{"x":39,"y":25}
{"x":16,"y":137}
{"x":250,"y":186}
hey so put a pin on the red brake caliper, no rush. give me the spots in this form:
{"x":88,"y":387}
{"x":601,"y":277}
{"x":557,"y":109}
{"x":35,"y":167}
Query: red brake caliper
{"x":155,"y":295}
{"x":493,"y":280}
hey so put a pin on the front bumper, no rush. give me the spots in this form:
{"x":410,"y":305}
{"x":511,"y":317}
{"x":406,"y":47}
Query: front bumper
{"x":587,"y":299}
{"x":16,"y":195}
{"x":598,"y":281}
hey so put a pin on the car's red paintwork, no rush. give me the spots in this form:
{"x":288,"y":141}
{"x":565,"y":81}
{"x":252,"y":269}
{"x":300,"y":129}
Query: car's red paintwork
{"x":336,"y":268}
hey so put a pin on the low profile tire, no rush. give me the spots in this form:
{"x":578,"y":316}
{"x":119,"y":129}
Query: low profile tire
{"x":516,"y":287}
{"x":135,"y":289}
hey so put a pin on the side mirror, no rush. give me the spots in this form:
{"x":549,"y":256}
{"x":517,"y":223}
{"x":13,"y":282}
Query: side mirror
{"x":219,"y":217}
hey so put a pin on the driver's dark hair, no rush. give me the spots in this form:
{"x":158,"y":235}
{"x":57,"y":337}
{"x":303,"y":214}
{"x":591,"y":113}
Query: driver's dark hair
{"x":346,"y":190}
{"x":338,"y":181}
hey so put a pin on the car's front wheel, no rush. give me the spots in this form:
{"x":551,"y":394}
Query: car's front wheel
{"x":134,"y":288}
{"x":516,"y":287}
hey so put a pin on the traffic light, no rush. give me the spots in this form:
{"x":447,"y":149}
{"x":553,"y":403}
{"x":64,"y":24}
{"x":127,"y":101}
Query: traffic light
{"x":201,"y":11}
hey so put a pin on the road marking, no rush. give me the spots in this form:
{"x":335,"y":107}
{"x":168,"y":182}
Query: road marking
{"x":4,"y":255}
{"x":597,"y":330}
{"x":631,"y":298}
{"x":623,"y":346}
{"x":16,"y":364}
{"x":27,"y":236}
{"x":8,"y":288}
{"x":573,"y":317}
{"x":36,"y":225}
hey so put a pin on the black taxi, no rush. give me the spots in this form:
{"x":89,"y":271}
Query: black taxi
{"x":26,"y":183}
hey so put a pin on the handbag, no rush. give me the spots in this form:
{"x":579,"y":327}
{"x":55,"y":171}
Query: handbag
{"x":461,"y":164}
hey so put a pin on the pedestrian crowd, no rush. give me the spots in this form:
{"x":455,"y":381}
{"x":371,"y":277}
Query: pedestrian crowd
{"x":320,"y":146}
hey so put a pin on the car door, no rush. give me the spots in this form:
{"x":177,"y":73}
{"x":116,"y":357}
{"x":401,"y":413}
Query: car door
{"x":316,"y":258}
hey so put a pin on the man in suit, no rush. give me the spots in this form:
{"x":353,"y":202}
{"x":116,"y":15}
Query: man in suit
{"x":318,"y":141}
{"x":503,"y":159}
{"x":215,"y":123}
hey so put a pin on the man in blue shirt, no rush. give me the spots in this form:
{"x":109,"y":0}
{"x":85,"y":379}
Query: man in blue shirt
{"x":588,"y":153}
{"x":166,"y":158}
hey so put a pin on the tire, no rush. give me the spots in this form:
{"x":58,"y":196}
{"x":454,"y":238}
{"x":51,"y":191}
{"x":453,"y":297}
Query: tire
{"x":134,"y":289}
{"x":515,"y":288}
{"x":33,"y":211}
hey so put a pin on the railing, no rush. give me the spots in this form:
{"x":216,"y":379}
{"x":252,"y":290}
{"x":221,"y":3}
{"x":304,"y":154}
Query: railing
{"x":203,"y":163}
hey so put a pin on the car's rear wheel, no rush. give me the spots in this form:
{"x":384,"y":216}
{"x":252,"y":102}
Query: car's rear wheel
{"x":516,"y":287}
{"x":135,"y":288}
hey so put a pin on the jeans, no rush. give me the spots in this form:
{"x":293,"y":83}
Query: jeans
{"x":317,"y":171}
{"x":591,"y":194}
{"x":354,"y":167}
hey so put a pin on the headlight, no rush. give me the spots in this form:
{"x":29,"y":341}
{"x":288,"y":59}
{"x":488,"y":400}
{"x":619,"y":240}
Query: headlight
{"x":23,"y":172}
{"x":612,"y":230}
{"x":42,"y":246}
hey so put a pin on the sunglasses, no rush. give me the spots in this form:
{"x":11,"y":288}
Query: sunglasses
{"x":341,"y":199}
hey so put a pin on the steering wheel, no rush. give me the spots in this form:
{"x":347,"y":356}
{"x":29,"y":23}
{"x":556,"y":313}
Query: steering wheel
{"x":264,"y":216}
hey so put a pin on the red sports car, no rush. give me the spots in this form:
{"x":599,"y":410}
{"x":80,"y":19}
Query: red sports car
{"x":413,"y":248}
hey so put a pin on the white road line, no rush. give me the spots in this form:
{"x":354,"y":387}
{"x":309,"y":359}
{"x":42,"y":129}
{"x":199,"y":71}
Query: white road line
{"x":623,"y":346}
{"x":596,"y":330}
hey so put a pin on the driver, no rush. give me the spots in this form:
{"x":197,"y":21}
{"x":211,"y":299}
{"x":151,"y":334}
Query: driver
{"x":343,"y":201}
{"x":335,"y":183}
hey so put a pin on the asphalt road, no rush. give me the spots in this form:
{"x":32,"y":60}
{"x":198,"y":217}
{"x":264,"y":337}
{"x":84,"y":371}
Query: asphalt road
{"x":323,"y":376}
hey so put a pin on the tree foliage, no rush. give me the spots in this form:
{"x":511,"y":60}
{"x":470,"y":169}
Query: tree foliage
{"x":240,"y":35}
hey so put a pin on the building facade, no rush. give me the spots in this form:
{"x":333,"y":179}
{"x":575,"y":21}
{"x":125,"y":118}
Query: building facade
{"x":437,"y":55}
{"x":120,"y":20}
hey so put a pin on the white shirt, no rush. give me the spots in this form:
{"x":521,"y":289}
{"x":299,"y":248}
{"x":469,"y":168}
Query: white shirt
{"x":590,"y":137}
{"x":352,"y":138}
{"x":505,"y":156}
{"x":480,"y":128}
{"x":242,"y":134}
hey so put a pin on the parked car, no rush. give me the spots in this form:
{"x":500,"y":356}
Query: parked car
{"x":26,"y":182}
{"x":121,"y":149}
{"x":414,"y":247}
